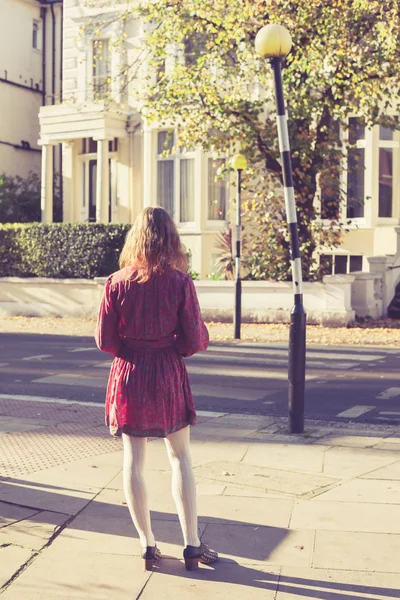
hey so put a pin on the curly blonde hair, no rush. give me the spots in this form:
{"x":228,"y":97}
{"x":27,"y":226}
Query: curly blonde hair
{"x":152,"y":244}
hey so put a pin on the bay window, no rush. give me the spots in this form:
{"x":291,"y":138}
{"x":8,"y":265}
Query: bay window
{"x":217,"y":191}
{"x":175,"y":178}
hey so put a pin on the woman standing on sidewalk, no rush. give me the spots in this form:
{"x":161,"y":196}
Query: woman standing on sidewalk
{"x":149,"y":319}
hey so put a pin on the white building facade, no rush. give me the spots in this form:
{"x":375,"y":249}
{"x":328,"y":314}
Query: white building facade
{"x":113,"y":165}
{"x":30,"y":76}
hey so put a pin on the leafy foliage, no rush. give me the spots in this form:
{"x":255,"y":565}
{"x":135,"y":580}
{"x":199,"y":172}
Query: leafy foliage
{"x":220,"y":95}
{"x":20,"y":199}
{"x":60,"y":250}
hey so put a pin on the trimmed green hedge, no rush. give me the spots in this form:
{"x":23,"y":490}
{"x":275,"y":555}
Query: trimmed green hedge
{"x":60,"y":250}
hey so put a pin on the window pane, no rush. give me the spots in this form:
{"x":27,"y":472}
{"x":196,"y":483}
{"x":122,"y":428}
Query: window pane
{"x":101,"y":68}
{"x":356,"y":263}
{"x":385,"y":182}
{"x":92,"y":189}
{"x":186,"y":190}
{"x":356,"y":129}
{"x":194,"y":48}
{"x":386,"y":133}
{"x":217,"y":191}
{"x":326,"y":264}
{"x":340,"y":265}
{"x":165,"y":185}
{"x":355,"y":183}
{"x":165,"y":141}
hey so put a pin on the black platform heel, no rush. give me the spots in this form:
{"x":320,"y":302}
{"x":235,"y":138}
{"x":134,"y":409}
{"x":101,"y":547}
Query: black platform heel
{"x":151,"y":556}
{"x":195,"y":554}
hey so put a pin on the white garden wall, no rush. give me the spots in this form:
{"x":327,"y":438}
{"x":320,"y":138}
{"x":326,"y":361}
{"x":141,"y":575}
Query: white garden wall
{"x":328,"y":302}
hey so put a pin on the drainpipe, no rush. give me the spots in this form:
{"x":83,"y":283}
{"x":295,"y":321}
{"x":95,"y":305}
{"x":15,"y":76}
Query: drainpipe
{"x":43,"y":17}
{"x":53,"y":53}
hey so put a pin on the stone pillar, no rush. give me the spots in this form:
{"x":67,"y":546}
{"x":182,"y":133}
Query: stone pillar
{"x":149,"y":166}
{"x":381,"y":266}
{"x":46,"y":188}
{"x":366,"y":294}
{"x":397,"y":230}
{"x":339,"y":309}
{"x":102,"y":182}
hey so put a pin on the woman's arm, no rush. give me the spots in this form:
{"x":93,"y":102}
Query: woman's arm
{"x":106,"y":335}
{"x":193,"y":336}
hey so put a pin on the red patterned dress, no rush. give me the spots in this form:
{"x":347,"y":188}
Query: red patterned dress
{"x":149,"y":327}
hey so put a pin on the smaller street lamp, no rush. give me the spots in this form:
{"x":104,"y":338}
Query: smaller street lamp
{"x":239,"y":163}
{"x":274,"y":42}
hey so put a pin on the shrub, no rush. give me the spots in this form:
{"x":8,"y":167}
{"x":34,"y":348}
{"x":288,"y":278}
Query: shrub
{"x":60,"y":250}
{"x":20,"y":199}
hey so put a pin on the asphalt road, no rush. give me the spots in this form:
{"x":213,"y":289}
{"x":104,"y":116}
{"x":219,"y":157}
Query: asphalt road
{"x":343,"y":383}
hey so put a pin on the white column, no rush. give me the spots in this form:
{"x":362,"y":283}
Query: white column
{"x":149,"y":168}
{"x":70,"y":201}
{"x":46,"y":189}
{"x":102,"y":182}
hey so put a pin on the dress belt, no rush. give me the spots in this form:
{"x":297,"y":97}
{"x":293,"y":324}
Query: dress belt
{"x":148,"y":345}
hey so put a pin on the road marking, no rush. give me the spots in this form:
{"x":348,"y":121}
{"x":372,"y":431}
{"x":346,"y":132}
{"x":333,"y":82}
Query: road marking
{"x":251,"y":373}
{"x":23,"y":398}
{"x":311,"y":354}
{"x":73,"y":379}
{"x":4,"y":364}
{"x":83,"y":349}
{"x":355,"y":411}
{"x":38,"y":357}
{"x":209,"y":413}
{"x":392,"y":392}
{"x":102,"y":365}
{"x":217,"y":391}
{"x":388,"y":412}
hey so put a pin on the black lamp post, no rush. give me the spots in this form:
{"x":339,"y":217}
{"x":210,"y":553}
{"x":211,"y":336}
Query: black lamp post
{"x":274,"y":42}
{"x":239,"y":163}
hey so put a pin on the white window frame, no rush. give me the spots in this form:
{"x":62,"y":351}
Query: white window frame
{"x":367,"y":145}
{"x":217,"y":224}
{"x":395,"y":145}
{"x":176,"y":156}
{"x":36,"y":26}
{"x":83,"y":174}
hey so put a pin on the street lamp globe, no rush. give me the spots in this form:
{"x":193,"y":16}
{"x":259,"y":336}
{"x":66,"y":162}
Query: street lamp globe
{"x":239,"y":162}
{"x":273,"y":41}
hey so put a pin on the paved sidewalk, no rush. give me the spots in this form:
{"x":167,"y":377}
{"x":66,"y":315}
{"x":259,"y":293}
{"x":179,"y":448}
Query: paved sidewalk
{"x":312,"y":516}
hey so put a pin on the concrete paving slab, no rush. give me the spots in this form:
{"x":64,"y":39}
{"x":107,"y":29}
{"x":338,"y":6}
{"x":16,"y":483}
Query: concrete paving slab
{"x":267,"y":545}
{"x":45,"y":497}
{"x":11,"y":560}
{"x":272,"y":512}
{"x":365,"y":491}
{"x":85,"y":575}
{"x":247,"y":492}
{"x":288,"y":457}
{"x":378,"y":552}
{"x":387,"y":446}
{"x":204,"y":452}
{"x":10,"y":513}
{"x":84,"y":474}
{"x":35,"y":531}
{"x":391,"y":472}
{"x":225,"y":580}
{"x":347,"y":463}
{"x":309,"y":584}
{"x":118,"y":536}
{"x":351,"y":441}
{"x":263,"y":478}
{"x":344,"y":516}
